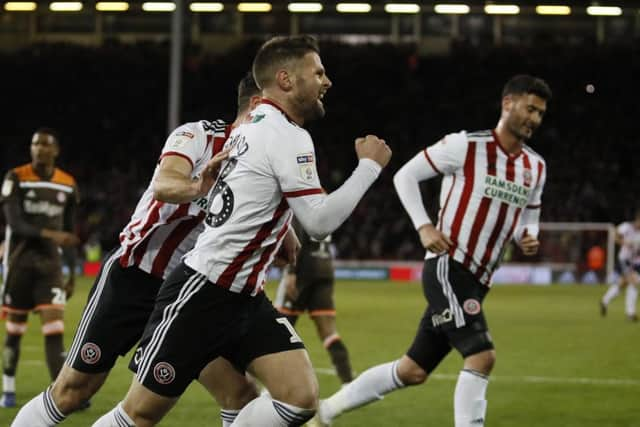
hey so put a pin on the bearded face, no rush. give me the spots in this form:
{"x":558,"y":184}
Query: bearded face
{"x":311,"y":84}
{"x":523,"y":114}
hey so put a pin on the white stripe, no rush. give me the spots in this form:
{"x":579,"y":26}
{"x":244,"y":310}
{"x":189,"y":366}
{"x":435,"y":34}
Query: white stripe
{"x":443,"y":278}
{"x":165,"y":317}
{"x":51,"y":185}
{"x":91,"y":307}
{"x":5,"y":260}
{"x":170,"y":313}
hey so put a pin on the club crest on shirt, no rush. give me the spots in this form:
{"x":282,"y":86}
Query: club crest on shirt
{"x":527,"y":177}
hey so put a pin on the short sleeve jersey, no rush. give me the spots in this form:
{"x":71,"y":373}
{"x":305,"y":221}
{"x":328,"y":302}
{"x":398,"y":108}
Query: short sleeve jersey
{"x":159,"y":234}
{"x":272,"y":159}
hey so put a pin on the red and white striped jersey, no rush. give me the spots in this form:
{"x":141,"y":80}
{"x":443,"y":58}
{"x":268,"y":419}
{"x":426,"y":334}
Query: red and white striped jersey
{"x":272,"y":159}
{"x":483,"y":195}
{"x":159,"y":234}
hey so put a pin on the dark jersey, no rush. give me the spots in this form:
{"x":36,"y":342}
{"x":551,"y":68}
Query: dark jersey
{"x":35,"y":203}
{"x":314,"y":259}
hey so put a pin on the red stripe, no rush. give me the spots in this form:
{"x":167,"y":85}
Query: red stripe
{"x":300,"y":193}
{"x":446,"y":203}
{"x":511,"y":169}
{"x":266,"y":254}
{"x":175,"y":153}
{"x":483,"y":210}
{"x":516,"y":216}
{"x":174,"y":239}
{"x":469,"y":171}
{"x":431,"y":161}
{"x":152,"y":218}
{"x":229,"y":274}
{"x":540,"y":170}
{"x":491,"y":243}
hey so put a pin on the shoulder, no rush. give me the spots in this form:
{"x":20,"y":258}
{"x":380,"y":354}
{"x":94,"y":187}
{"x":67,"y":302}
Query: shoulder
{"x":189,"y":131}
{"x":64,"y":178}
{"x":24,"y":173}
{"x":534,"y":154}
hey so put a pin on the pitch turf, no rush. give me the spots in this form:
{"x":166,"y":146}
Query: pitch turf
{"x":559,"y":363}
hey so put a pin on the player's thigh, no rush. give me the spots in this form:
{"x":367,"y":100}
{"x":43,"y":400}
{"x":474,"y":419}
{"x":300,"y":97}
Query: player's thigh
{"x":288,"y":376}
{"x":118,"y":308}
{"x":231,"y":388}
{"x":20,"y":285}
{"x":191,"y":321}
{"x":456,"y":298}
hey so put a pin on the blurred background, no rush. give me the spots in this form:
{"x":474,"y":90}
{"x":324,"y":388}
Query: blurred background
{"x":114,"y":77}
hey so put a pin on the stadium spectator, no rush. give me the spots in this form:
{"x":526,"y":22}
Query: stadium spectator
{"x":492,"y":188}
{"x":39,"y":202}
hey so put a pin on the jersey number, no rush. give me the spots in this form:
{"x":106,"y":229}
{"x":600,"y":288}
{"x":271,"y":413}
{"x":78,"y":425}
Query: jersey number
{"x":294,"y":335}
{"x":59,"y":296}
{"x":221,"y":198}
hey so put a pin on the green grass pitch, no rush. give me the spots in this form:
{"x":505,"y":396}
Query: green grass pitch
{"x":559,"y":363}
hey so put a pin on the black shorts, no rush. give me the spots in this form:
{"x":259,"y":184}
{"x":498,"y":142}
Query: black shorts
{"x":34,"y":281}
{"x":195,"y":321}
{"x":114,"y":318}
{"x":453,"y":318}
{"x":315,"y":295}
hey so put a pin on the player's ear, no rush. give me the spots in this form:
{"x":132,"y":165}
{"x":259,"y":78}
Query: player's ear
{"x":507,"y":102}
{"x":284,"y":79}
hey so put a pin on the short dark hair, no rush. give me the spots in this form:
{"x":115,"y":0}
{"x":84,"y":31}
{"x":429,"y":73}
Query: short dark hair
{"x":246,"y":89}
{"x":277,"y":51}
{"x":525,"y":84}
{"x":49,"y":131}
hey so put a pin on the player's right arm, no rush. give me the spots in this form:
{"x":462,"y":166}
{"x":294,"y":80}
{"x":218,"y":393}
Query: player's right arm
{"x":15,"y":216}
{"x":173,"y":182}
{"x":444,"y":157}
{"x":320,"y":213}
{"x":184,"y":148}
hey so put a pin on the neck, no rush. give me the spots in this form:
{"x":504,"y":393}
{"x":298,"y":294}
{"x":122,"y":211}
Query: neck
{"x":511,"y":143}
{"x":282,"y":102}
{"x":43,"y":170}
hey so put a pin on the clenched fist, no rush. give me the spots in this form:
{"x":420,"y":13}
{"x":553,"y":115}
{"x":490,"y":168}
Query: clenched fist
{"x":374,"y":148}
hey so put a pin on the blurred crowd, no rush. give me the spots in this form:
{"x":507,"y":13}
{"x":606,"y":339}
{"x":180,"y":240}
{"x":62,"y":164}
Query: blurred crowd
{"x":110,"y":107}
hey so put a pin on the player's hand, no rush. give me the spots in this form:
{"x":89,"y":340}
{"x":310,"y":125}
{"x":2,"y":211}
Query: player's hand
{"x":70,"y":287}
{"x":61,"y":238}
{"x":433,"y":239}
{"x":210,"y":172}
{"x":529,"y":244}
{"x":290,"y":280}
{"x":374,"y":148}
{"x":291,"y":246}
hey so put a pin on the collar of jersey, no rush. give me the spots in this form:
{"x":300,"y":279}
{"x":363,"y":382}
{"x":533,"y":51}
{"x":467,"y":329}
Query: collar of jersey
{"x":512,"y":156}
{"x":267,"y":101}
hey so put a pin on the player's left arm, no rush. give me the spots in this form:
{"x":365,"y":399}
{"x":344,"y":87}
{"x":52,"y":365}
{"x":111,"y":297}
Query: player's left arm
{"x":526,"y":234}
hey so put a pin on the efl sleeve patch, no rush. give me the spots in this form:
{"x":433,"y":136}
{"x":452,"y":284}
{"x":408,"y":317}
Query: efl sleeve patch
{"x":306,"y":166}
